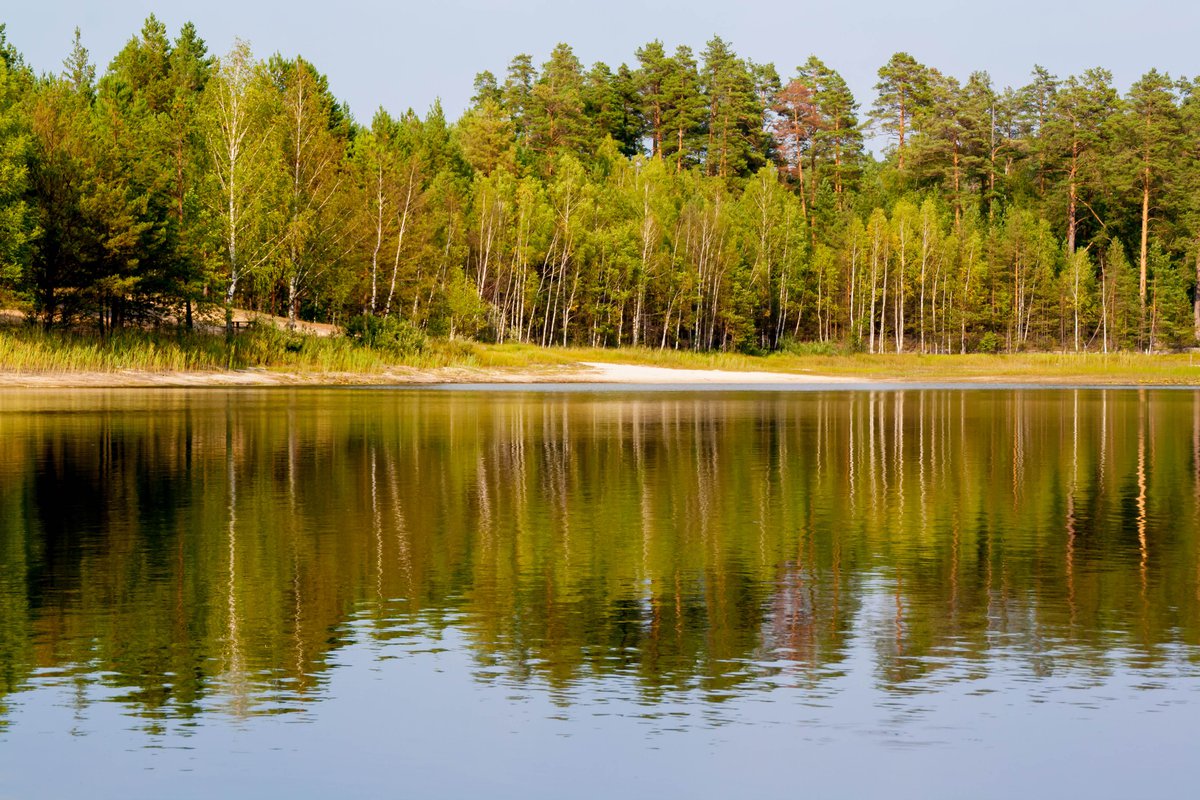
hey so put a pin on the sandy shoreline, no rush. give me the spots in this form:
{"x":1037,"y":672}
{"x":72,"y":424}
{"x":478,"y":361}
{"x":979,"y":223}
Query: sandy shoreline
{"x":582,"y":373}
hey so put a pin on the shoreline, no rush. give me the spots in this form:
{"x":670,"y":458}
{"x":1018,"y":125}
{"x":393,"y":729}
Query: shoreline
{"x":581,"y":373}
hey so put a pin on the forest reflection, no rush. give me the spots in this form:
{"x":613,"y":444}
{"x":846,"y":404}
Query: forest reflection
{"x":213,"y":551}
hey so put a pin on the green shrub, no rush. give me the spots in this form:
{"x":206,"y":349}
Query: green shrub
{"x":798,"y":348}
{"x":990,"y":342}
{"x":389,"y":334}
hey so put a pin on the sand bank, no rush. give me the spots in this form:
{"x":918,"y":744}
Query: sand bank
{"x":584,"y":372}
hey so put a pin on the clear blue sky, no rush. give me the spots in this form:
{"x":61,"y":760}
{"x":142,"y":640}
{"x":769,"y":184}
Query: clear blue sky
{"x":406,"y":54}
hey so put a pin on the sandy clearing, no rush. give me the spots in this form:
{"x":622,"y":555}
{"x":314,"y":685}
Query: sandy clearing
{"x":602,"y":372}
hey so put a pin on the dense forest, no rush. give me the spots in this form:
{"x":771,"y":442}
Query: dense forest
{"x":691,"y":200}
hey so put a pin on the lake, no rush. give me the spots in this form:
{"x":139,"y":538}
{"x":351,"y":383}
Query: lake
{"x":599,"y":592}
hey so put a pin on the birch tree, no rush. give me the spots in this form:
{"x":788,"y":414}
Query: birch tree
{"x":236,"y":118}
{"x":310,"y":160}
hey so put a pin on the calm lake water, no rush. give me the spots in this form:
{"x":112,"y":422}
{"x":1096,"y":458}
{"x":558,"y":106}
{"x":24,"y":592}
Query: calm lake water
{"x":422,"y":593}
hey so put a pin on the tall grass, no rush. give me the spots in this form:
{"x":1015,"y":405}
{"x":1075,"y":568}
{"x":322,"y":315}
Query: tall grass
{"x":31,"y":349}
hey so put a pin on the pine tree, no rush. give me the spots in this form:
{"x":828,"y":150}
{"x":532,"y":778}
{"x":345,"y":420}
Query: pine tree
{"x":557,"y":121}
{"x":488,"y":139}
{"x":653,"y":70}
{"x":795,"y":127}
{"x":1078,"y":137}
{"x":1037,"y":104}
{"x":1152,"y":131}
{"x":518,"y":97}
{"x":903,"y":90}
{"x":16,"y":224}
{"x":684,"y":109}
{"x":78,"y":69}
{"x":838,"y":140}
{"x":610,"y":108}
{"x":944,"y":147}
{"x":1186,"y":187}
{"x":736,"y":141}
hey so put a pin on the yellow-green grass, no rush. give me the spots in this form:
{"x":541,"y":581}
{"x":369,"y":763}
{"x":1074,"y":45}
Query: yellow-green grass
{"x":32,"y":350}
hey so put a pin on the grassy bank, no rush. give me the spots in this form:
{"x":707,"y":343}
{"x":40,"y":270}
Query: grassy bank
{"x":31,"y":350}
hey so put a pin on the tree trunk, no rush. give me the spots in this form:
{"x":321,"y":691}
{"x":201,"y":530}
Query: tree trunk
{"x":1196,"y":302}
{"x":291,"y":303}
{"x":1145,"y":239}
{"x":229,"y":294}
{"x":1071,"y":201}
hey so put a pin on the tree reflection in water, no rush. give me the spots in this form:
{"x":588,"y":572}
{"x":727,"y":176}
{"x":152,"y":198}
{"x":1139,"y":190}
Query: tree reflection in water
{"x":214,"y":550}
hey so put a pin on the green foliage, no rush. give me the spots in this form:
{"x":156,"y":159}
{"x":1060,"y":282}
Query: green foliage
{"x":16,"y":224}
{"x":689,"y":202}
{"x":390,"y":334}
{"x":990,"y":342}
{"x":1170,"y":312}
{"x":798,"y":348}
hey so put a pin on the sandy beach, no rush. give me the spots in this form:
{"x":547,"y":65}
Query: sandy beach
{"x":600,"y":372}
{"x":1142,"y":371}
{"x":583,"y":373}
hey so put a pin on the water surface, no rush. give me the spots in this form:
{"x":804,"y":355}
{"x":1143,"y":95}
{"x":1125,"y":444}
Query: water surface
{"x":598,"y":593}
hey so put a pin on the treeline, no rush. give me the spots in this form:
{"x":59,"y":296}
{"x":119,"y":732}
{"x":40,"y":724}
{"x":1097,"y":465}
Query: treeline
{"x":689,"y":201}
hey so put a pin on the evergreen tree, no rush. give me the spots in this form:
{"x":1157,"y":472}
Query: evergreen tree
{"x":1153,"y":134}
{"x":736,"y":140}
{"x":557,"y":121}
{"x":795,"y":127}
{"x":903,"y":92}
{"x":684,"y":111}
{"x":610,"y":108}
{"x":1185,"y":196}
{"x":838,"y":141}
{"x":1037,"y":107}
{"x":1079,"y":138}
{"x":16,"y":226}
{"x":653,"y":70}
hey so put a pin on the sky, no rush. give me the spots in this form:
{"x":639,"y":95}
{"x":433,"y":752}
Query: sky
{"x":402,"y":55}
